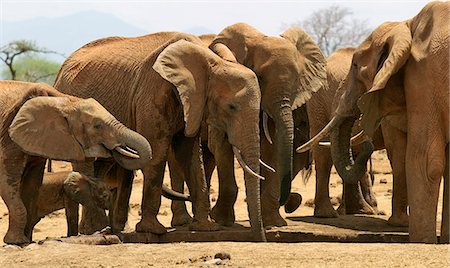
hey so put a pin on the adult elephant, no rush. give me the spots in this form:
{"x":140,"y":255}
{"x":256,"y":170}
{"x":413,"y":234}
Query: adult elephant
{"x":289,"y":70}
{"x":357,"y":198}
{"x":402,"y":68}
{"x":38,"y":122}
{"x":163,"y":84}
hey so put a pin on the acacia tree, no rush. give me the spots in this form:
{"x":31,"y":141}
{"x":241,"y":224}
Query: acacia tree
{"x":10,"y":52}
{"x":334,"y":27}
{"x":33,"y":68}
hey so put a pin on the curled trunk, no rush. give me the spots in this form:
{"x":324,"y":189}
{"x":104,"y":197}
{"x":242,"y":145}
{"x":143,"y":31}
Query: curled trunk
{"x":137,"y":145}
{"x":351,"y":170}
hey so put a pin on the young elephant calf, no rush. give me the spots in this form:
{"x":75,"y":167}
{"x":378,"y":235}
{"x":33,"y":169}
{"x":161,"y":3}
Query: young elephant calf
{"x":67,"y":190}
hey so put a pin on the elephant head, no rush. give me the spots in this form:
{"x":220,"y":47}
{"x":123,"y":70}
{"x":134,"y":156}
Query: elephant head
{"x":372,"y":89}
{"x":289,"y":70}
{"x":227,"y":96}
{"x":89,"y":192}
{"x":67,"y":128}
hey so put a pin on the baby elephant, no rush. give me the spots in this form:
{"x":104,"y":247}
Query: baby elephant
{"x":67,"y":190}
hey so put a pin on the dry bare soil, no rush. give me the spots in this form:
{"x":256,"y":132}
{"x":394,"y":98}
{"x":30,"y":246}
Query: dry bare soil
{"x":57,"y":254}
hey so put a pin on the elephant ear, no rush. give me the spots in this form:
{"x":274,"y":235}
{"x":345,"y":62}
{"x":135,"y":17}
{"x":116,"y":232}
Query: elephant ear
{"x":393,"y":54}
{"x":184,"y":64}
{"x":40,"y":128}
{"x":314,"y":75}
{"x":234,"y":37}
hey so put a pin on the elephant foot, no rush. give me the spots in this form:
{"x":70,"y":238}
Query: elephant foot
{"x":273,"y":219}
{"x":341,"y":209}
{"x":205,"y":226}
{"x":181,"y":219}
{"x":401,"y":221}
{"x":444,"y":239}
{"x":325,"y":211}
{"x":223,"y":215}
{"x":364,"y":209}
{"x":293,"y":202}
{"x":150,"y":226}
{"x":16,"y":239}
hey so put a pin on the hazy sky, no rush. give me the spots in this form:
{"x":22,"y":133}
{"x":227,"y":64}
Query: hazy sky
{"x":267,"y":16}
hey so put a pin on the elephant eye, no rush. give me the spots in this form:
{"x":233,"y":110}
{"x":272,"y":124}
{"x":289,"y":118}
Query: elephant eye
{"x":232,"y":108}
{"x":98,"y":126}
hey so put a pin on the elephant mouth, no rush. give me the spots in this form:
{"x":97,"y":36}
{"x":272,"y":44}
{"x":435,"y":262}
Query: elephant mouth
{"x":127,"y":151}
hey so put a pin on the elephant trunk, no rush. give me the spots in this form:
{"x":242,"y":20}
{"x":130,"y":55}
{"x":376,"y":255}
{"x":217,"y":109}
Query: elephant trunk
{"x":135,"y":151}
{"x":351,"y":170}
{"x":250,"y":157}
{"x":284,"y":125}
{"x":246,"y":147}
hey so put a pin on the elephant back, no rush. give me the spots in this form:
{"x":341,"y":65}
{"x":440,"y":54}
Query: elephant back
{"x":106,"y":69}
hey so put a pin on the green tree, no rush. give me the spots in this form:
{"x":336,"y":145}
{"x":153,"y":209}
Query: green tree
{"x":10,"y":53}
{"x":33,"y":68}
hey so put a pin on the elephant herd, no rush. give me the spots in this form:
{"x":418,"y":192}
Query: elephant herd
{"x":195,"y":102}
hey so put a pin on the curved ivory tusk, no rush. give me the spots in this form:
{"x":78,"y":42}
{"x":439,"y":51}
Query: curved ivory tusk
{"x":127,"y":152}
{"x":267,"y":166}
{"x":266,"y":127}
{"x":355,"y":140}
{"x":174,"y":195}
{"x":325,"y":143}
{"x":359,"y":138}
{"x":336,"y":120}
{"x":239,"y":158}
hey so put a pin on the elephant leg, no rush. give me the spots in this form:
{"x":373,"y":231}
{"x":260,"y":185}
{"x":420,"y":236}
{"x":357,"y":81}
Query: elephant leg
{"x":151,"y":196}
{"x":395,"y":142}
{"x":199,"y":190}
{"x":71,"y":209}
{"x":445,"y":224}
{"x":424,"y":170}
{"x":31,"y":182}
{"x":122,"y":200}
{"x":270,"y":207}
{"x":10,"y":189}
{"x":323,"y":163}
{"x":270,"y":189}
{"x":209,"y":162}
{"x":180,"y":215}
{"x":223,"y":210}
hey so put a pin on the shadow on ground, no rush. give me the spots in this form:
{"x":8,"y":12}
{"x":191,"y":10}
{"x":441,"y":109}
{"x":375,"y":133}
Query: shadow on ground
{"x":353,"y":222}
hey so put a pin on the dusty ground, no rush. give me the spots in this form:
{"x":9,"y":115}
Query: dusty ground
{"x":242,"y":254}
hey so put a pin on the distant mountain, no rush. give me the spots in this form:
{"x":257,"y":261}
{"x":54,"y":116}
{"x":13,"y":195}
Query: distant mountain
{"x":66,"y":34}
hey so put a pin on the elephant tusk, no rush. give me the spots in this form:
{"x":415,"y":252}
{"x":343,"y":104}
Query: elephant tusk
{"x":355,"y":140}
{"x":239,"y":158}
{"x":336,"y":120}
{"x":325,"y":143}
{"x":127,"y":152}
{"x":174,"y":195}
{"x":266,"y":128}
{"x":267,"y":166}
